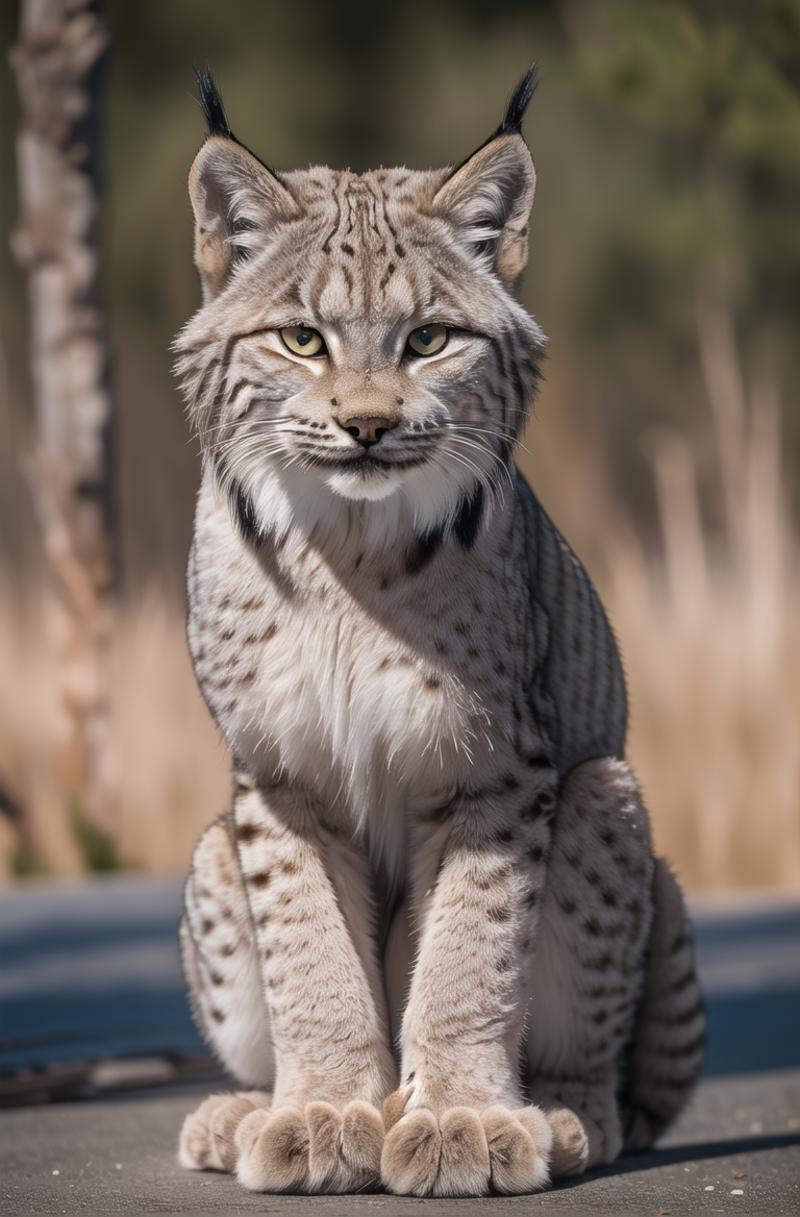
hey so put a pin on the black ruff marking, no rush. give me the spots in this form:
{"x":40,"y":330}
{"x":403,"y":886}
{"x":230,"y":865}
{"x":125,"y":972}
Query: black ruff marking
{"x":424,"y":550}
{"x":245,"y":513}
{"x":468,"y":518}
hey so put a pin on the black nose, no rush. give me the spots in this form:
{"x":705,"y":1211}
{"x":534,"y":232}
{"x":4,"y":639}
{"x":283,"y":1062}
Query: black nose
{"x":368,"y":430}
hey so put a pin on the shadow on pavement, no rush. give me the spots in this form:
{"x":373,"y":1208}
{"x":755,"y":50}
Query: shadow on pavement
{"x":677,"y":1155}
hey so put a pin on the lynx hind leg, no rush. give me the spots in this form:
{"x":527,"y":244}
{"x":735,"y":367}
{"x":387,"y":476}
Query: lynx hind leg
{"x":589,"y":960}
{"x":226,"y":995}
{"x":666,"y":1054}
{"x":222,"y":966}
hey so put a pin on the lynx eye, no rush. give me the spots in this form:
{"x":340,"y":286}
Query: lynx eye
{"x":302,"y":341}
{"x":427,"y":340}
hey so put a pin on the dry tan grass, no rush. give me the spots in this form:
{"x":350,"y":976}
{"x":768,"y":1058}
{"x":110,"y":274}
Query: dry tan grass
{"x":174,"y":765}
{"x":173,"y":768}
{"x":710,"y":633}
{"x":712,"y":643}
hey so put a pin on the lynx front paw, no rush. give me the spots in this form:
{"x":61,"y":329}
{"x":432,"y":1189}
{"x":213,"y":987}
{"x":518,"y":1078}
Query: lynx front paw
{"x":316,"y":1149}
{"x":207,"y":1137}
{"x":463,"y":1152}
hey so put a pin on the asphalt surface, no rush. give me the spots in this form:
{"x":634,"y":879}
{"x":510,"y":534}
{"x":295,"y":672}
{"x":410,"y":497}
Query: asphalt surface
{"x":736,"y":1150}
{"x":90,"y":990}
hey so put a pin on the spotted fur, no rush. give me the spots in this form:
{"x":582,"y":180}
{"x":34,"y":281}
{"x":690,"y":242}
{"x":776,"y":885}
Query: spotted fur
{"x":437,"y":864}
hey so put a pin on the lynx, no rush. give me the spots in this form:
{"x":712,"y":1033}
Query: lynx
{"x":430,"y":939}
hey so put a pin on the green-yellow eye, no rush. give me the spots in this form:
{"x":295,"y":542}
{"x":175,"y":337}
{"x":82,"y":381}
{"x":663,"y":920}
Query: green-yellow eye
{"x":427,"y":340}
{"x":300,"y":340}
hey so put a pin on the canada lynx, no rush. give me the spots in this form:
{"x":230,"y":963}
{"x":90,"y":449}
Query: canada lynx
{"x":431,"y":925}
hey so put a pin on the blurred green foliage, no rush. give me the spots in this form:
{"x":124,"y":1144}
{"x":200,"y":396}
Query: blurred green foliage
{"x":26,"y":863}
{"x":718,"y":86}
{"x":666,"y":135}
{"x":97,"y":846}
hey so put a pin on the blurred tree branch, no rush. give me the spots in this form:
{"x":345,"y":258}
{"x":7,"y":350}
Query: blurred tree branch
{"x":58,"y":64}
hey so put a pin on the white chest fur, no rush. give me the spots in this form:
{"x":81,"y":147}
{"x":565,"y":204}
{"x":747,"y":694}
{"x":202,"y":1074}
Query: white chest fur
{"x":337,"y":698}
{"x":310,"y":683}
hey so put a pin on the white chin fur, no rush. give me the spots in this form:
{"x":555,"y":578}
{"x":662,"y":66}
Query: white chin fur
{"x":356,"y":486}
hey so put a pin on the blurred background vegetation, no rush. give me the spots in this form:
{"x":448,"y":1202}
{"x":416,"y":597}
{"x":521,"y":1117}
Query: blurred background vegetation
{"x":665,"y":268}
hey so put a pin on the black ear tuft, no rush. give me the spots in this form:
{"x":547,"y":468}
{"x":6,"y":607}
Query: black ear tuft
{"x":520,"y":100}
{"x":212,"y":105}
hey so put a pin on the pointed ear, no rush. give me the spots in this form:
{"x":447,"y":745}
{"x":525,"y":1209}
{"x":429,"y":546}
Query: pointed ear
{"x":233,"y":195}
{"x":489,"y":197}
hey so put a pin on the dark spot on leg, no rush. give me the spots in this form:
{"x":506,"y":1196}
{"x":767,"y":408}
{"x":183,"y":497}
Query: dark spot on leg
{"x":247,"y":832}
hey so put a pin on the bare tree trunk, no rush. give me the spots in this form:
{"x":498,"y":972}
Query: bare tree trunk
{"x":58,"y":63}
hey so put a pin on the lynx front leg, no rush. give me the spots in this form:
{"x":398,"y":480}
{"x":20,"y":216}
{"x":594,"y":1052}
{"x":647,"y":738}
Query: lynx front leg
{"x":329,"y":1026}
{"x":321,"y":990}
{"x":459,"y":1125}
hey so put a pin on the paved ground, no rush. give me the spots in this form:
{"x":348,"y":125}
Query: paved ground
{"x":90,"y":996}
{"x":738,"y":1150}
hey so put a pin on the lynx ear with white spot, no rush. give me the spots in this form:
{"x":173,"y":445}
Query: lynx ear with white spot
{"x":489,"y":197}
{"x":234,"y":197}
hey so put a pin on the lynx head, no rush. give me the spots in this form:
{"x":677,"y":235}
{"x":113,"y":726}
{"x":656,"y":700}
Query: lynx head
{"x":360,"y":348}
